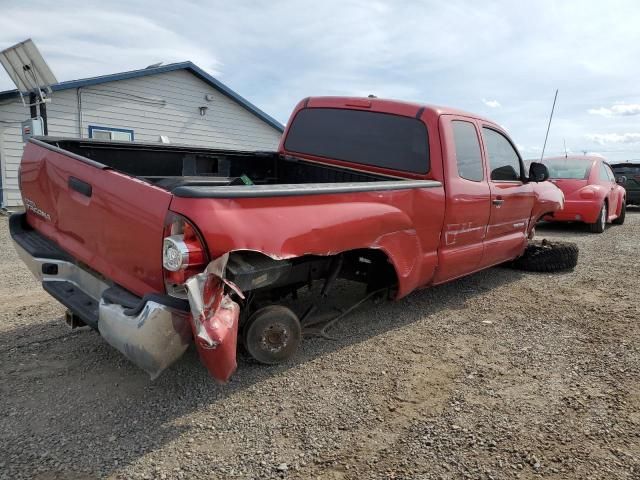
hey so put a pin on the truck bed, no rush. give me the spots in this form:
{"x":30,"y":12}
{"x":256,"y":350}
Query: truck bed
{"x":193,"y":171}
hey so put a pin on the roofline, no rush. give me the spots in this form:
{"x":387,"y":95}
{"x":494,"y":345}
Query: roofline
{"x":626,"y":162}
{"x":189,"y":66}
{"x":421,"y":107}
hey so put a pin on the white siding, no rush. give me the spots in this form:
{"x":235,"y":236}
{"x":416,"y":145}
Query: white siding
{"x":11,"y":116}
{"x":133,"y":104}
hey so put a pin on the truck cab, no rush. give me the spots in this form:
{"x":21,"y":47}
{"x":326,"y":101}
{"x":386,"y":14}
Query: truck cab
{"x":490,"y":204}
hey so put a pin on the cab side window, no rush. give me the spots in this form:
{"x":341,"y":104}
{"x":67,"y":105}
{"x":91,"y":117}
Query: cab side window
{"x":610,"y":174}
{"x":504,"y":161}
{"x":468,"y":156}
{"x":604,"y":175}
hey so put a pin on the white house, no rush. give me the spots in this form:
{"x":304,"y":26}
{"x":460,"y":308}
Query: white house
{"x":179,"y":102}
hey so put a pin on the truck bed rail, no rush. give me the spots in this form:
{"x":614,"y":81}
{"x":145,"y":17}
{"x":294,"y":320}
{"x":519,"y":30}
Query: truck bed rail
{"x":289,"y":190}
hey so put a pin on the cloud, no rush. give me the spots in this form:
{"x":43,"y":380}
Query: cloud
{"x":77,"y":44}
{"x":276,"y":53}
{"x":608,"y":138}
{"x":491,"y":103}
{"x":528,"y":149}
{"x":618,"y":109}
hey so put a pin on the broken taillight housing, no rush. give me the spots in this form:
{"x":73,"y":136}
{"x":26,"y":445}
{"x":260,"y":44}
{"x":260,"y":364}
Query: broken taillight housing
{"x":184,"y":253}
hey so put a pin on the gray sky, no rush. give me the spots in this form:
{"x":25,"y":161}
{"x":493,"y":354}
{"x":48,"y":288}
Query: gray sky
{"x":502,"y":59}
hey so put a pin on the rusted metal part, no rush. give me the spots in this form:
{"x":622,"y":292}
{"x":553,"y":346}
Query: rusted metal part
{"x":214,"y":319}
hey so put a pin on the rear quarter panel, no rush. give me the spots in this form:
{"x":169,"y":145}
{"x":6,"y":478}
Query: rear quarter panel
{"x":622,"y":194}
{"x":405,"y":224}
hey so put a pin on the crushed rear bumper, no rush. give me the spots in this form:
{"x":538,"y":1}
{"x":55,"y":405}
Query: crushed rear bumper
{"x":152,"y":332}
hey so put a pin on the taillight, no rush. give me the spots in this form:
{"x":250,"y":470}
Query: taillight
{"x":587,"y":193}
{"x":183,"y":253}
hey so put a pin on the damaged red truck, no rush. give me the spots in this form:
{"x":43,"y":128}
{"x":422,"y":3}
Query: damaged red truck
{"x":158,"y":246}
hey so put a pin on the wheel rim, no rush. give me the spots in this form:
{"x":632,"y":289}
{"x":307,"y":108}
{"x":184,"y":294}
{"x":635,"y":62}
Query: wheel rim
{"x":603,"y":217}
{"x":275,"y":338}
{"x":272,"y":334}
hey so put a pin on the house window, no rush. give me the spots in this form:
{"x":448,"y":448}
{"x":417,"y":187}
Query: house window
{"x":109,"y":133}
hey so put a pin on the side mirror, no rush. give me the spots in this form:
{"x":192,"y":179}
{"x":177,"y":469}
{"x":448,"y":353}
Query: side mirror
{"x":505,"y":173}
{"x":621,"y":180}
{"x":538,"y":172}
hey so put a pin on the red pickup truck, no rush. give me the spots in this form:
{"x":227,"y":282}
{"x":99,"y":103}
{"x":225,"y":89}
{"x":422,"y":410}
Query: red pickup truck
{"x":157,"y":246}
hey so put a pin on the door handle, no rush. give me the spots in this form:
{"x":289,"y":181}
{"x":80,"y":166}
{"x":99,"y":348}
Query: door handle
{"x":81,"y":187}
{"x":497,"y":201}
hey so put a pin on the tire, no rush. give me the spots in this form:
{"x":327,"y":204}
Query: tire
{"x":546,"y":256}
{"x":599,"y":225}
{"x":272,"y":334}
{"x":623,"y":213}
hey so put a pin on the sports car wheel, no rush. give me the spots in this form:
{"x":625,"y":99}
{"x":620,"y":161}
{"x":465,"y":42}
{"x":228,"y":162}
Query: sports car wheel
{"x":272,"y":334}
{"x":599,"y":225}
{"x":546,"y":256}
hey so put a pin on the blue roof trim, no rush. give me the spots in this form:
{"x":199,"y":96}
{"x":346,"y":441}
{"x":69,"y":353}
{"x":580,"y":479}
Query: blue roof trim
{"x":189,"y":66}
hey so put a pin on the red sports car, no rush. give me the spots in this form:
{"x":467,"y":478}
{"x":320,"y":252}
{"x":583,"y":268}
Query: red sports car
{"x":591,"y":193}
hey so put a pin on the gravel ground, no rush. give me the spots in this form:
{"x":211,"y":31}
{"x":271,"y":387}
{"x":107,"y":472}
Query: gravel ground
{"x":503,"y":374}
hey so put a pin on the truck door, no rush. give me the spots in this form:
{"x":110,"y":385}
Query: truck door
{"x":511,"y":199}
{"x":468,"y":199}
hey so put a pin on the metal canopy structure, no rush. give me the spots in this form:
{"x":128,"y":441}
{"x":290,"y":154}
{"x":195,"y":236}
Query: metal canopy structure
{"x":28,"y":70}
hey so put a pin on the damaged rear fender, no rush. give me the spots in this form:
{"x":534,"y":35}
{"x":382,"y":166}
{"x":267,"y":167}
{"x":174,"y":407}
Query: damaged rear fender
{"x":214,"y":319}
{"x":251,"y":269}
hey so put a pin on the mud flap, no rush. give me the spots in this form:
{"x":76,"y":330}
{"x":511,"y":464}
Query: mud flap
{"x":214,"y":319}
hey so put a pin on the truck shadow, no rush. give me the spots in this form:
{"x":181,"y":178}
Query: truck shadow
{"x":71,"y":394}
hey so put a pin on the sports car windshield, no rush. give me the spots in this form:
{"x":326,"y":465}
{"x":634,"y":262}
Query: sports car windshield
{"x":568,"y":168}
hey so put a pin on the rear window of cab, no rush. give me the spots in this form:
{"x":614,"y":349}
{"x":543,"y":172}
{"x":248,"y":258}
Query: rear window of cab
{"x":369,"y":138}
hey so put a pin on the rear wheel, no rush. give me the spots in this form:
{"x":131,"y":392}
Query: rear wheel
{"x":599,"y":225}
{"x":623,"y":213}
{"x":272,"y":334}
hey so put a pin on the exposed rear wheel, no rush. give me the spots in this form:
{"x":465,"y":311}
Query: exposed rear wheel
{"x":546,"y":256}
{"x":623,"y":213}
{"x":599,"y":225}
{"x":272,"y":334}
